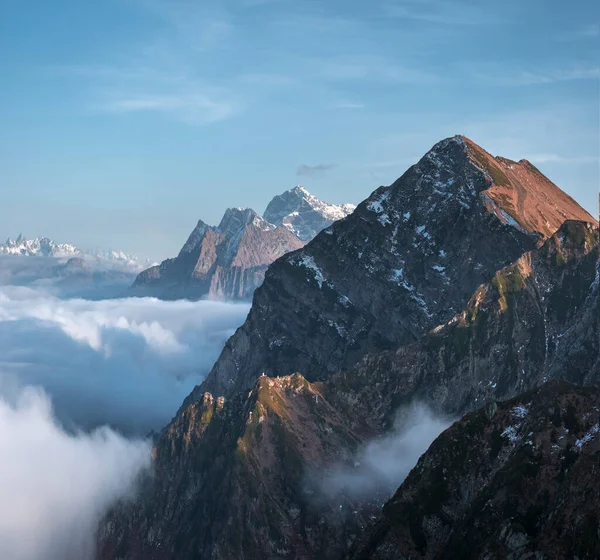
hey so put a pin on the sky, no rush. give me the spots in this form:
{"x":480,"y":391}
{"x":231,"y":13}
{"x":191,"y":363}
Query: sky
{"x":125,"y":121}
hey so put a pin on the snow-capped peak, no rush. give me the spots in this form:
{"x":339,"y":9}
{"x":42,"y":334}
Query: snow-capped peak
{"x":42,"y":246}
{"x":303,"y":213}
{"x":46,"y":247}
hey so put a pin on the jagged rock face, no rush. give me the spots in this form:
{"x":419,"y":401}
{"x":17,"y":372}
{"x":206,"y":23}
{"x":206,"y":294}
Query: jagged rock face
{"x":406,"y":260}
{"x":521,"y":484}
{"x":304,"y":214}
{"x":538,"y":318}
{"x":226,"y":262}
{"x":230,"y":481}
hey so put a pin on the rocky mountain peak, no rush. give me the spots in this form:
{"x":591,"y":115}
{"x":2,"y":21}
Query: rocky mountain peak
{"x":303,"y":213}
{"x":235,"y":219}
{"x":194,"y":238}
{"x":407,"y":259}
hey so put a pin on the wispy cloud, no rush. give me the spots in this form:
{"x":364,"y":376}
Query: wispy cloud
{"x":370,"y":68}
{"x":348,"y":105}
{"x":313,"y":170}
{"x":549,"y":76}
{"x":444,"y":12}
{"x":587,"y":31}
{"x":556,"y":158}
{"x":193,"y":108}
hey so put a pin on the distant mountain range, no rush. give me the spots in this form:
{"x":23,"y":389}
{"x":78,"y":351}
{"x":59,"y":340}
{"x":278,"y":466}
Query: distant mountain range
{"x":229,"y":261}
{"x":46,"y":247}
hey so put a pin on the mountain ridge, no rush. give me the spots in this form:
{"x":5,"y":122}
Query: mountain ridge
{"x":423,"y":244}
{"x":229,"y":260}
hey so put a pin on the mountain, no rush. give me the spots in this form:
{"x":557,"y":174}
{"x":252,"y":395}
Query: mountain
{"x":516,"y":479}
{"x":303,"y":213}
{"x":227,"y":261}
{"x":45,"y":247}
{"x":429,"y":293}
{"x":42,"y":246}
{"x":259,"y":462}
{"x":406,"y":260}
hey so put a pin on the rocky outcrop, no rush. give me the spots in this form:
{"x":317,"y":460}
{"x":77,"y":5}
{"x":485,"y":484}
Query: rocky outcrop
{"x":226,"y":262}
{"x":304,"y":214}
{"x":406,"y":260}
{"x":231,"y":480}
{"x":515,"y":480}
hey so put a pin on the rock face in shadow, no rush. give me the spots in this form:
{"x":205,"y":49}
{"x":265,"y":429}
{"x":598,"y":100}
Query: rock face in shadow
{"x":537,"y":319}
{"x":407,"y":259}
{"x":231,"y":482}
{"x":515,"y":480}
{"x":226,"y":262}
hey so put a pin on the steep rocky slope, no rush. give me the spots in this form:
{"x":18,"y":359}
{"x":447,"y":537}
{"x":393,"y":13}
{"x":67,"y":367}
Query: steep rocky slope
{"x":231,"y":480}
{"x":303,"y":213}
{"x":406,"y":260}
{"x":538,"y":318}
{"x":228,"y":261}
{"x":516,"y":479}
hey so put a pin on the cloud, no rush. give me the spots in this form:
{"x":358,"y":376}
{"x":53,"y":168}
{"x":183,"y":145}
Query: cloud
{"x":445,"y":12}
{"x":555,"y":158}
{"x":371,"y":68}
{"x":382,"y":465}
{"x":192,"y":108}
{"x":313,"y":170}
{"x":124,"y":362}
{"x":55,"y":486}
{"x":348,"y":105}
{"x":588,"y":31}
{"x":549,"y":76}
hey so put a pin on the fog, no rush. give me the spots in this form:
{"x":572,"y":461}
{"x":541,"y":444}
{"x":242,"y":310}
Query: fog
{"x":94,"y":279}
{"x":82,"y":383}
{"x":383,"y":464}
{"x":55,"y":486}
{"x":126,"y":362}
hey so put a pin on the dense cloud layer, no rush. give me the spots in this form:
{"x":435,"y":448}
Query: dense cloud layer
{"x":81,"y":277}
{"x":55,"y":486}
{"x":126,"y":362}
{"x":385,"y":462}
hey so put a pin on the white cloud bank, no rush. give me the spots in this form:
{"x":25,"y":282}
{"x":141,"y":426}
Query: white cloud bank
{"x":54,"y":486}
{"x":384,"y":463}
{"x":126,"y":362}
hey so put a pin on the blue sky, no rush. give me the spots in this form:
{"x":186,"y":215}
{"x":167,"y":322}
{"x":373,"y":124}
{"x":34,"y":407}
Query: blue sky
{"x":124,"y":121}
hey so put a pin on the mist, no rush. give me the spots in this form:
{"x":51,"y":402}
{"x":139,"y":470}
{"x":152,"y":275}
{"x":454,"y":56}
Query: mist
{"x":55,"y":486}
{"x":128,"y":363}
{"x":383,"y":464}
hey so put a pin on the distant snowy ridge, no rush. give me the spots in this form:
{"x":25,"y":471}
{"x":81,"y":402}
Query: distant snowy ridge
{"x":303,"y":213}
{"x":46,"y":247}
